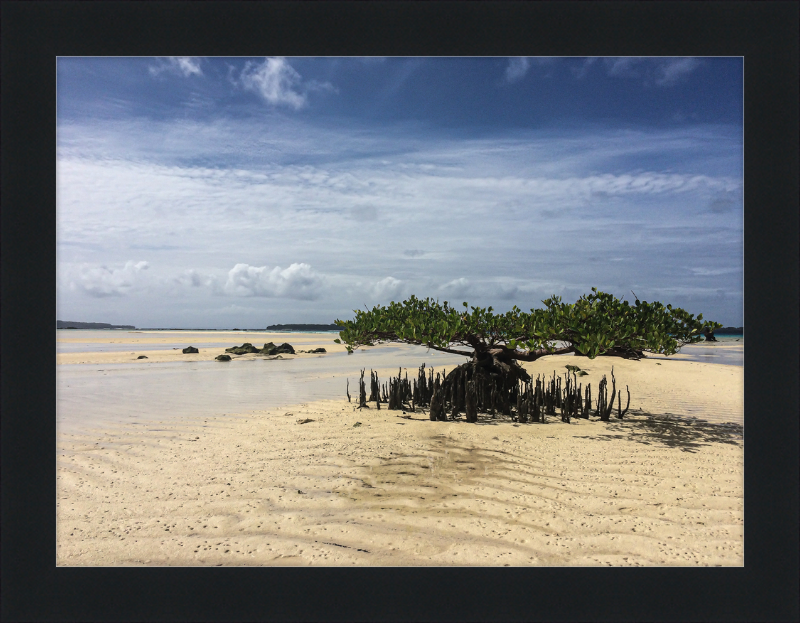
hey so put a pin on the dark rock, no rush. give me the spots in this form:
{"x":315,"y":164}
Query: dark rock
{"x":223,"y":358}
{"x":317,"y":350}
{"x":142,"y":357}
{"x":245,"y":349}
{"x":189,"y":350}
{"x":269,"y":349}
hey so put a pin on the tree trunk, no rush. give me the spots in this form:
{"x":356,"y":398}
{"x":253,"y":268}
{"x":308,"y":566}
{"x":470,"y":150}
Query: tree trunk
{"x":471,"y":402}
{"x":437,"y":402}
{"x":483,"y":384}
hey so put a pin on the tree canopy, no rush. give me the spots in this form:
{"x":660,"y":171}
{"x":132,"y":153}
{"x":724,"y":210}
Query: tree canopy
{"x":597,"y":324}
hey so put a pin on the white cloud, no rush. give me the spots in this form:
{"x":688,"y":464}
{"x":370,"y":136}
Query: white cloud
{"x":279,"y":83}
{"x":195,"y":279}
{"x":181,"y":65}
{"x":318,"y":193}
{"x":298,"y":281}
{"x":101,"y":281}
{"x":672,"y":70}
{"x":274,"y":80}
{"x":388,"y":288}
{"x":456,"y":287}
{"x":517,"y":68}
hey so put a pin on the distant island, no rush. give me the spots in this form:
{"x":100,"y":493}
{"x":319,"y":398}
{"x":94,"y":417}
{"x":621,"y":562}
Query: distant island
{"x":730,"y":331}
{"x":71,"y":324}
{"x":303,"y":327}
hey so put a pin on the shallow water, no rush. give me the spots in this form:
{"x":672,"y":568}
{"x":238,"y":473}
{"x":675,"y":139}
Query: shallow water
{"x":91,"y":395}
{"x":114,"y":341}
{"x":727,"y":352}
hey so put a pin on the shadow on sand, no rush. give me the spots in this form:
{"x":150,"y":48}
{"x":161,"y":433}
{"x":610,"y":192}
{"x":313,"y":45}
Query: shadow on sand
{"x":675,"y":431}
{"x":668,"y":429}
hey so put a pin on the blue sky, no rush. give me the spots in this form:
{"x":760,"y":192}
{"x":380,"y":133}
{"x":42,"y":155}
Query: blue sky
{"x":242,"y":192}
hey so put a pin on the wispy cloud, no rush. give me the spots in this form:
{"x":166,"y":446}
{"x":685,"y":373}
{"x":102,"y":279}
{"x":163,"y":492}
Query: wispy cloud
{"x":671,"y":71}
{"x":275,"y":81}
{"x":377,"y":229}
{"x":625,"y":67}
{"x":517,"y":68}
{"x":278,"y":83}
{"x":662,"y":72}
{"x":180,"y":65}
{"x":581,"y":70}
{"x":712,"y":272}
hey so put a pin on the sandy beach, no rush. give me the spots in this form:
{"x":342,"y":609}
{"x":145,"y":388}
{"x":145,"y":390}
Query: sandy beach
{"x":323,"y":483}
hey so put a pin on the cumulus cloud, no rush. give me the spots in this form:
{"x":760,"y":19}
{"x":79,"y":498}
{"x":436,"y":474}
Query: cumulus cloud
{"x":102,"y":281}
{"x":181,"y":65}
{"x":279,"y":83}
{"x":388,"y":288}
{"x":456,"y":287}
{"x":298,"y":281}
{"x":194,"y":279}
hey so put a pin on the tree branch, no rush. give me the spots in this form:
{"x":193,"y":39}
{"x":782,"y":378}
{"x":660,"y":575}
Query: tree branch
{"x":452,"y":351}
{"x":533,"y":355}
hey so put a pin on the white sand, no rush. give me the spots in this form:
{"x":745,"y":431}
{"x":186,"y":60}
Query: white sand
{"x":657,"y":488}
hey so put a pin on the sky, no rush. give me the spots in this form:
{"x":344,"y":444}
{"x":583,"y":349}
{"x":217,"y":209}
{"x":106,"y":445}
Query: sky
{"x":242,"y":192}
